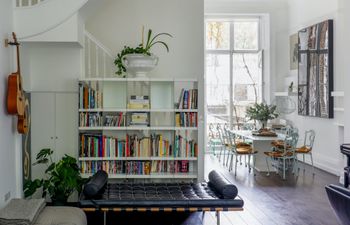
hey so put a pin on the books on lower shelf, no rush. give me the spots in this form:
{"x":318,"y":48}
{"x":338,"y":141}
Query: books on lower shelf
{"x":186,"y":119}
{"x":136,"y":167}
{"x":96,"y":145}
{"x":188,"y":99}
{"x":114,"y":120}
{"x":90,"y":95}
{"x":87,"y":119}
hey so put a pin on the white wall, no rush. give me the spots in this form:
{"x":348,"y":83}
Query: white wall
{"x":328,"y":135}
{"x":278,"y":43}
{"x":119,"y":23}
{"x":10,"y":157}
{"x":51,"y":67}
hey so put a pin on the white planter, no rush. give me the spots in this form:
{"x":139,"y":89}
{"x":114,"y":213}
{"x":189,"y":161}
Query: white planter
{"x":139,"y":64}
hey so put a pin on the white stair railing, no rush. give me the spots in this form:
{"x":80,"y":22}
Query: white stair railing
{"x":25,"y":3}
{"x":98,"y":59}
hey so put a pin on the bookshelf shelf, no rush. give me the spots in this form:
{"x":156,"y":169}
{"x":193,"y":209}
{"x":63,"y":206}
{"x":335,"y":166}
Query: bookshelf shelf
{"x":121,"y":120}
{"x":154,"y":176}
{"x":136,"y":158}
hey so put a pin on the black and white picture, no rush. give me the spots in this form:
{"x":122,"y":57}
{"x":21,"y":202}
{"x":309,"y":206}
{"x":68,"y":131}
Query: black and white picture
{"x":315,"y":70}
{"x":293,"y":52}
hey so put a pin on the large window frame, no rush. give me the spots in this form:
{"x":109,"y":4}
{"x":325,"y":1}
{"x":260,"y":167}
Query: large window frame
{"x":231,"y":51}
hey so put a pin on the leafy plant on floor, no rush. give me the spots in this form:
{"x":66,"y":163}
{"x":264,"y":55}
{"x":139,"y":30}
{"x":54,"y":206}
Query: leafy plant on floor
{"x":62,"y":177}
{"x":143,"y":48}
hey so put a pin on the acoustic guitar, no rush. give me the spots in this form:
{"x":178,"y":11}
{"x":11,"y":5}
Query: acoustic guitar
{"x":15,"y":96}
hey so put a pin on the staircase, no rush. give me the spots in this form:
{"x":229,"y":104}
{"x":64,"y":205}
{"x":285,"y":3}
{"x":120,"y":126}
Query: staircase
{"x":99,"y":60}
{"x":35,"y":17}
{"x":60,"y":21}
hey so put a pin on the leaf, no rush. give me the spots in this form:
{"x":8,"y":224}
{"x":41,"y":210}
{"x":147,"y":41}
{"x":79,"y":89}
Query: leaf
{"x":161,"y":42}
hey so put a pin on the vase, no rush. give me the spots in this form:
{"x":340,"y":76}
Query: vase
{"x":139,"y":64}
{"x":263,"y":124}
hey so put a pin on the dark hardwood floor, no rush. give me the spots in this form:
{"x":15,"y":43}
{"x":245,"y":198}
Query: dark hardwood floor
{"x":269,"y":200}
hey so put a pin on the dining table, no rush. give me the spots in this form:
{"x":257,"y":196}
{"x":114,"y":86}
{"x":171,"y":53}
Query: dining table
{"x":260,"y":144}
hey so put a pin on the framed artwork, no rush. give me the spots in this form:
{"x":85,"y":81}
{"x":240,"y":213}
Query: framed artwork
{"x":315,"y":70}
{"x":293,"y":52}
{"x":26,"y":143}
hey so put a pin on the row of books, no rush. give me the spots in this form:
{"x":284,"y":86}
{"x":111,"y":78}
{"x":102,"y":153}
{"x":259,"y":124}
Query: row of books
{"x":188,"y":99}
{"x":136,"y":167}
{"x":90,"y":119}
{"x":186,"y":119}
{"x":90,"y":95}
{"x":93,"y":119}
{"x":96,"y":145}
{"x":184,"y":147}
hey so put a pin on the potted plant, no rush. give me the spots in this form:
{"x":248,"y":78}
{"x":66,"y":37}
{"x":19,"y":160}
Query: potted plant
{"x":62,"y":178}
{"x":140,"y":60}
{"x":262,"y":113}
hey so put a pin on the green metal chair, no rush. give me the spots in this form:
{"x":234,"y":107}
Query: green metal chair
{"x":283,"y":158}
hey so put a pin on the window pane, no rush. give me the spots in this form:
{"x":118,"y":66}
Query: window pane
{"x":246,"y":35}
{"x":246,"y":75}
{"x":218,"y":88}
{"x":218,"y":35}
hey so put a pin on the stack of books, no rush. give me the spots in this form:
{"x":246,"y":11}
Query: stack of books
{"x":139,"y":102}
{"x":90,"y":119}
{"x":139,"y":119}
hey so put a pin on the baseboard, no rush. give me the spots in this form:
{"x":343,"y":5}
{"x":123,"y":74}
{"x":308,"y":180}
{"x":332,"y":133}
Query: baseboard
{"x":326,"y":164}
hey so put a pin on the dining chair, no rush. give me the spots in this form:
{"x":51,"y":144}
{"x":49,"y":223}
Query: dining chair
{"x":238,"y":149}
{"x":214,"y":140}
{"x":283,"y":158}
{"x":306,"y":149}
{"x":223,"y":141}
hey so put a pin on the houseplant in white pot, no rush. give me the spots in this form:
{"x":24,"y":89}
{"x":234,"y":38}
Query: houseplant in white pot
{"x":262,"y":112}
{"x":139,"y":61}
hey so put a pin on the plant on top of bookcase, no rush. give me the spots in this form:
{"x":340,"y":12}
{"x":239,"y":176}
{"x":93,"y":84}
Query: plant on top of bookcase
{"x":63,"y":178}
{"x":140,"y":60}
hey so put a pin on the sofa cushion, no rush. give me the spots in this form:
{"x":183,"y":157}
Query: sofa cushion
{"x":61,"y":215}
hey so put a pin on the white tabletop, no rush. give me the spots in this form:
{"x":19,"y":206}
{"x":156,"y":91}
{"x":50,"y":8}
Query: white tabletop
{"x":248,"y":134}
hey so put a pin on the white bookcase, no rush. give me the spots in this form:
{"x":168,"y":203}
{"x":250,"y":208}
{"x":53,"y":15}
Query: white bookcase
{"x":163,"y":149}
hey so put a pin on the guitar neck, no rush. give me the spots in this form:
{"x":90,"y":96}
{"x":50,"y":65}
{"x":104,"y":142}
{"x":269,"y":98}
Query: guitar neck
{"x":18,"y":64}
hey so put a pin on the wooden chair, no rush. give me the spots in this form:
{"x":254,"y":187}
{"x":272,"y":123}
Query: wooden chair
{"x":283,"y":158}
{"x":306,"y":149}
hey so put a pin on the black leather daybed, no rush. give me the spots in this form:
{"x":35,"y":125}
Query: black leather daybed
{"x":217,"y":195}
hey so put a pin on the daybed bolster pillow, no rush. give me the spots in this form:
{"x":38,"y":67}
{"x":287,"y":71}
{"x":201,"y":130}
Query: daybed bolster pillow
{"x":96,"y":184}
{"x":222,"y":186}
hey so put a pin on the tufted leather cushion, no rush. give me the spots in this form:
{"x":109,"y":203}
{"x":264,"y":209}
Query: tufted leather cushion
{"x":223,"y":187}
{"x":167,"y":195}
{"x":96,"y":184}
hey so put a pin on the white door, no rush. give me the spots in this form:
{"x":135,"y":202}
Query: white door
{"x":42,"y":127}
{"x":66,"y":124}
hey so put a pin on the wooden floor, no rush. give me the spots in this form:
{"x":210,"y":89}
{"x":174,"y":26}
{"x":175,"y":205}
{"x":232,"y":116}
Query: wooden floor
{"x":271,"y":200}
{"x":267,"y":201}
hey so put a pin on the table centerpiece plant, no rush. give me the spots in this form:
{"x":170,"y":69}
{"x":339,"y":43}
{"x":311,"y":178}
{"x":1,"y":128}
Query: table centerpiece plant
{"x":140,"y":60}
{"x":62,"y":178}
{"x":262,"y":112}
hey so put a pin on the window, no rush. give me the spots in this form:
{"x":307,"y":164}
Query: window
{"x":233,"y":69}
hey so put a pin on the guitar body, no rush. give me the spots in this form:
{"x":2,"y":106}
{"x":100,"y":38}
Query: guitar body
{"x":15,"y":101}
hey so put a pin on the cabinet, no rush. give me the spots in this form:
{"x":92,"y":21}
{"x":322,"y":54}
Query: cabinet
{"x":53,"y":125}
{"x":139,"y":128}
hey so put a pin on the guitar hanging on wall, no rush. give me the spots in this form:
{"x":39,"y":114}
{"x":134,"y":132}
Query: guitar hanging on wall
{"x":16,"y":102}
